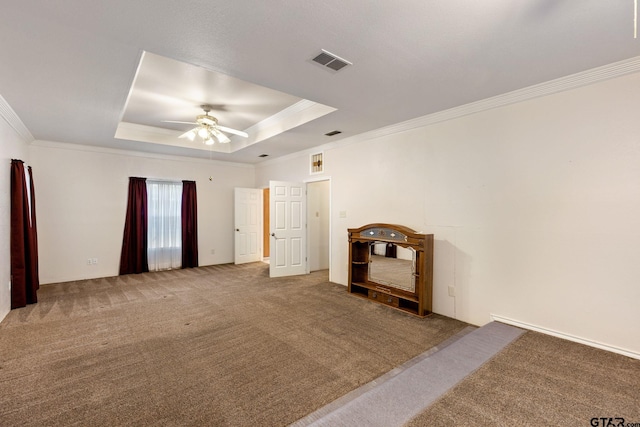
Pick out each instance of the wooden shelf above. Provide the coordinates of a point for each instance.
(387, 290)
(417, 302)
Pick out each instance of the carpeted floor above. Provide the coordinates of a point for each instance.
(221, 345)
(540, 380)
(400, 395)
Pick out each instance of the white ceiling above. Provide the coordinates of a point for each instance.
(67, 68)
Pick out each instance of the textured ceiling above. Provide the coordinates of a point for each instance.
(68, 66)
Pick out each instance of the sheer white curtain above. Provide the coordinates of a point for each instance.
(164, 234)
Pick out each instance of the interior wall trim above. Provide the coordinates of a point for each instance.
(14, 121)
(130, 153)
(573, 81)
(565, 336)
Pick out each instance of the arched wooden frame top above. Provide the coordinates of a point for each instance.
(391, 233)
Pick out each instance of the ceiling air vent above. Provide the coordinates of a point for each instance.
(329, 60)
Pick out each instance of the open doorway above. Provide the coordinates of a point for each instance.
(265, 221)
(318, 225)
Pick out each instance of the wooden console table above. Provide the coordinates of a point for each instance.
(414, 295)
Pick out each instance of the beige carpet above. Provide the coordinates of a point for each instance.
(221, 345)
(403, 393)
(540, 380)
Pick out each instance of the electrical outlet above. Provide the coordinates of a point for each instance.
(89, 261)
(452, 291)
(94, 261)
(213, 251)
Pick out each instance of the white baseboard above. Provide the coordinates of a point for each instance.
(565, 336)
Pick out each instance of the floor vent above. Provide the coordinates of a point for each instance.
(329, 60)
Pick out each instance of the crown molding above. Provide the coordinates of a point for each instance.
(573, 81)
(307, 152)
(130, 153)
(14, 121)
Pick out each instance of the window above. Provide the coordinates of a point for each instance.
(164, 239)
(317, 163)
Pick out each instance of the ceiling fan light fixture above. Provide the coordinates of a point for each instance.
(221, 137)
(203, 132)
(207, 129)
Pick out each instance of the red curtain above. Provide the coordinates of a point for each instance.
(133, 258)
(189, 225)
(25, 279)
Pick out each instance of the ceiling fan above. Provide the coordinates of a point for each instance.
(208, 128)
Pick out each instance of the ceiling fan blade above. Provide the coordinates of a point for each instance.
(221, 137)
(173, 121)
(191, 134)
(233, 131)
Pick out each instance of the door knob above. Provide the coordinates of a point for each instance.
(237, 229)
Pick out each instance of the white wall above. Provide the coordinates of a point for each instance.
(81, 195)
(12, 146)
(534, 207)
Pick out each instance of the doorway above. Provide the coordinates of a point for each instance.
(318, 224)
(248, 214)
(266, 240)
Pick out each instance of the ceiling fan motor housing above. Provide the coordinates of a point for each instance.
(207, 120)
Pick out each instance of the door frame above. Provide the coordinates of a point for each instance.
(267, 226)
(266, 236)
(312, 180)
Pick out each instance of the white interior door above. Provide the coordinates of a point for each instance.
(248, 225)
(287, 227)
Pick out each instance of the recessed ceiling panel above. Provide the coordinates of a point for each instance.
(165, 91)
